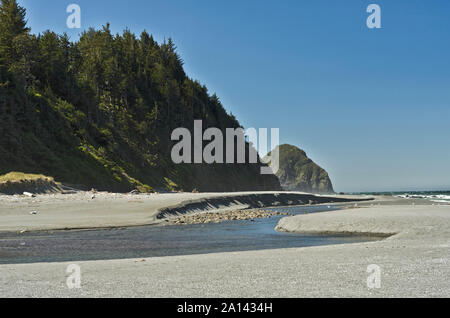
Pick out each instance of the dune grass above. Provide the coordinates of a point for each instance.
(20, 176)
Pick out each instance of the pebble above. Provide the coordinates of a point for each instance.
(217, 217)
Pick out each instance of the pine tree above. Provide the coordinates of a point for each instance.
(12, 24)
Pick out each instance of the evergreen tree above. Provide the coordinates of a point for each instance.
(12, 24)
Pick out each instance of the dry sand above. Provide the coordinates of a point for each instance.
(414, 263)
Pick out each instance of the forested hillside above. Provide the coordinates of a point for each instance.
(99, 112)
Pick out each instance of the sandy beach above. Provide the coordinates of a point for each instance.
(414, 259)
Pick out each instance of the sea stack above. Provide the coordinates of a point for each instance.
(297, 172)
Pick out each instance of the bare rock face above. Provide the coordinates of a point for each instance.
(297, 172)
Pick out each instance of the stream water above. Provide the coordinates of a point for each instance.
(153, 241)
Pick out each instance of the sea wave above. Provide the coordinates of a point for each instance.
(434, 197)
(440, 201)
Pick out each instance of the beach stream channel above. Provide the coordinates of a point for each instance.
(156, 241)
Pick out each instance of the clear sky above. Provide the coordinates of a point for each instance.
(371, 106)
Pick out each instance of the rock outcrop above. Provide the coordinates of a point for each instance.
(297, 172)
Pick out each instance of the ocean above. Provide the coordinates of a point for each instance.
(433, 196)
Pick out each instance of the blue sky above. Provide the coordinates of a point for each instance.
(371, 106)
